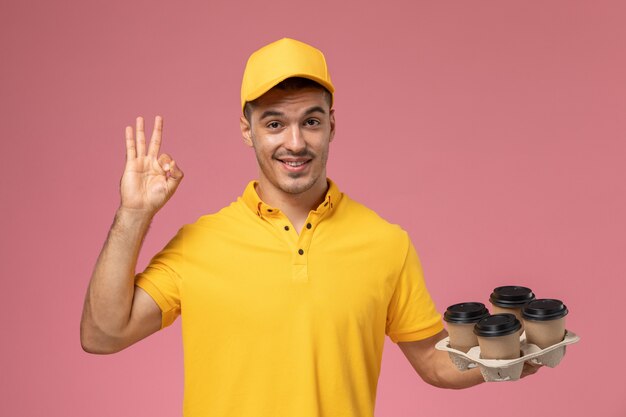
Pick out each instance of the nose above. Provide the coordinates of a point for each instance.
(295, 140)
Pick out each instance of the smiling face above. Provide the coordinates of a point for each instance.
(290, 131)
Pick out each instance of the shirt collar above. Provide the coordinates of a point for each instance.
(260, 208)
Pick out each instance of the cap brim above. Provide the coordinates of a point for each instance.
(273, 83)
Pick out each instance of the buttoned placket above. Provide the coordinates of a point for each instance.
(299, 244)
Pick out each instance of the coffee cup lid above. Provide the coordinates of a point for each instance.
(511, 296)
(462, 313)
(497, 325)
(544, 309)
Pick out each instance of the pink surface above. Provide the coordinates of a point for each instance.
(492, 131)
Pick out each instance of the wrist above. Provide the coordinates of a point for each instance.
(133, 217)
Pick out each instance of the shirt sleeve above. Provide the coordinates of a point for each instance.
(162, 279)
(411, 314)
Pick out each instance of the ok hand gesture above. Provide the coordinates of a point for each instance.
(149, 180)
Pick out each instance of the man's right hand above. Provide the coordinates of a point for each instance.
(117, 313)
(149, 179)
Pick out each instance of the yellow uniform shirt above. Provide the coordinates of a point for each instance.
(277, 323)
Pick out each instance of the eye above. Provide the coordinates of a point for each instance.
(312, 122)
(273, 125)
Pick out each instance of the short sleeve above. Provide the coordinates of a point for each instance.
(411, 314)
(162, 279)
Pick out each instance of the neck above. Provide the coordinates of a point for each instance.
(295, 206)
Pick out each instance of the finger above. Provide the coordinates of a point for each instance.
(141, 137)
(131, 152)
(176, 175)
(530, 369)
(155, 140)
(164, 161)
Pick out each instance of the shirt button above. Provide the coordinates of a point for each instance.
(300, 251)
(308, 225)
(286, 227)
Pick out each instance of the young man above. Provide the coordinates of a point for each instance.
(287, 294)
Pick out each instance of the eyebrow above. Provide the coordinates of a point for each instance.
(272, 113)
(316, 109)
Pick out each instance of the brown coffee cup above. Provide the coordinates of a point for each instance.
(511, 299)
(498, 336)
(545, 322)
(461, 319)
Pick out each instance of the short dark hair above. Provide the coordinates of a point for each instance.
(293, 83)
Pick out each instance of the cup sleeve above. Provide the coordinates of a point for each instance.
(162, 279)
(411, 313)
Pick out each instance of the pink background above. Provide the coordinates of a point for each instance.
(492, 131)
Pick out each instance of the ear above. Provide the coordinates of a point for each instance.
(332, 124)
(246, 131)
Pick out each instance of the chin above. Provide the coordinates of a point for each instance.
(297, 186)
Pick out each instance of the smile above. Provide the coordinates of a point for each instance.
(294, 166)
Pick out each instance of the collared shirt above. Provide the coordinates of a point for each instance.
(278, 322)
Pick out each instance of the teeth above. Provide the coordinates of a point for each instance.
(294, 164)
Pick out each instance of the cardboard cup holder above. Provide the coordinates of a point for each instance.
(495, 370)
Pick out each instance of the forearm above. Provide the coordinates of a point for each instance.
(435, 366)
(446, 375)
(109, 298)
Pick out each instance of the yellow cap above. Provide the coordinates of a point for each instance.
(278, 61)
